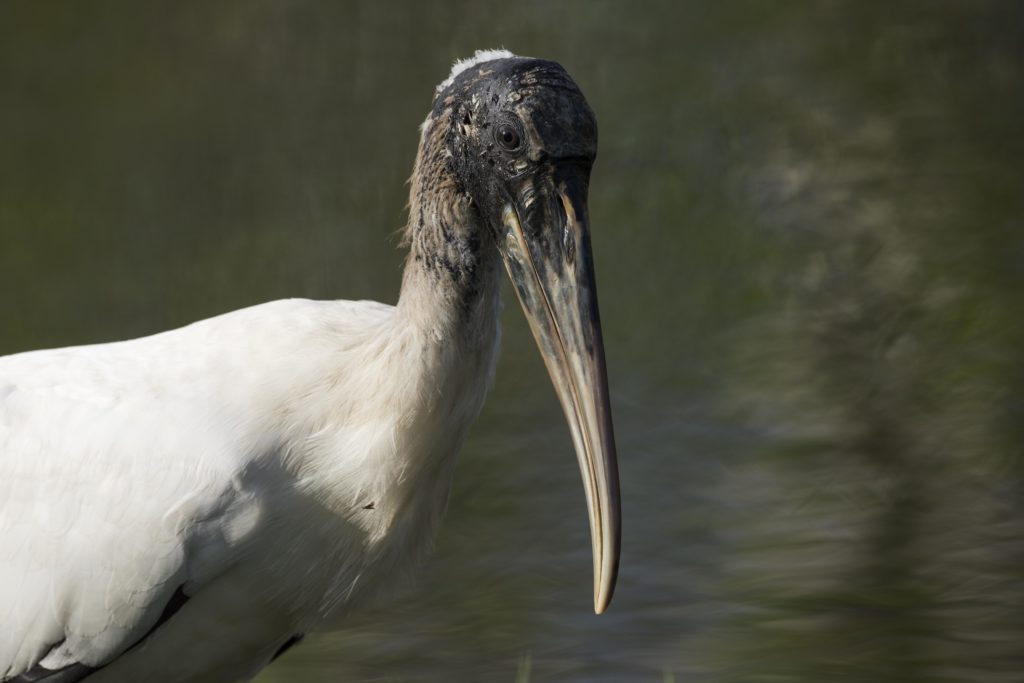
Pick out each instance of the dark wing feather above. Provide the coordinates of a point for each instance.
(40, 674)
(77, 671)
(289, 644)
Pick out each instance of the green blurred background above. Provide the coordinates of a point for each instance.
(809, 232)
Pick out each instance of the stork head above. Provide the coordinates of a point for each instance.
(521, 139)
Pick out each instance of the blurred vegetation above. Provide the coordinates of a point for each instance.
(809, 232)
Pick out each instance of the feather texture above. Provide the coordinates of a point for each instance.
(277, 463)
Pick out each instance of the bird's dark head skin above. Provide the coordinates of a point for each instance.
(512, 121)
(504, 165)
(500, 129)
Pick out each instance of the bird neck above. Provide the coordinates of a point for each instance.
(448, 319)
(452, 302)
(452, 281)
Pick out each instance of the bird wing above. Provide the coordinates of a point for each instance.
(119, 494)
(102, 495)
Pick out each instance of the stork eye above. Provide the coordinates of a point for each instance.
(508, 137)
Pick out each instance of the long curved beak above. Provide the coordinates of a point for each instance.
(546, 249)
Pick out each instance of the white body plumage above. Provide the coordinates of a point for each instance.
(317, 461)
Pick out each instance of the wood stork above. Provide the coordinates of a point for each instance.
(185, 506)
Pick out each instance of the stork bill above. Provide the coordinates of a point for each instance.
(187, 506)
